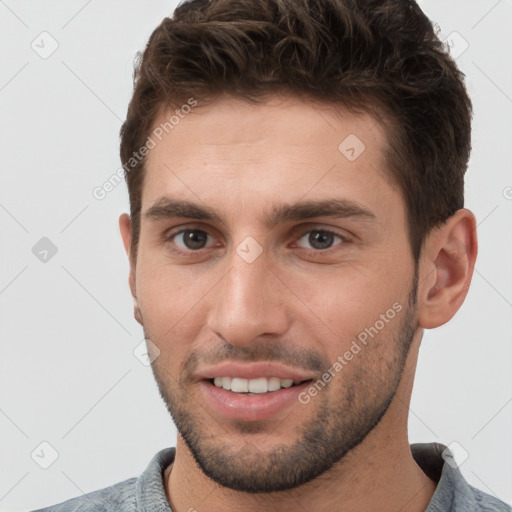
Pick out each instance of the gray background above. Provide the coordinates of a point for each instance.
(68, 373)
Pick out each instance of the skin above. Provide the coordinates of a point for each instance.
(240, 160)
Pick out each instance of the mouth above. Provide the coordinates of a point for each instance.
(252, 391)
(251, 400)
(255, 386)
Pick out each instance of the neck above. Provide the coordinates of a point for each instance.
(379, 474)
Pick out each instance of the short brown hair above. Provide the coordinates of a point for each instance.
(362, 55)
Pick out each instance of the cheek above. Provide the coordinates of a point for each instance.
(347, 299)
(354, 313)
(161, 288)
(170, 301)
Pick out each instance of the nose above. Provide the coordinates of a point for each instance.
(249, 302)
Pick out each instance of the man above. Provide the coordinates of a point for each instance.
(296, 172)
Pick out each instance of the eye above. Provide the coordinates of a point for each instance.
(320, 239)
(190, 240)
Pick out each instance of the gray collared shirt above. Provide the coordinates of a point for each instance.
(147, 493)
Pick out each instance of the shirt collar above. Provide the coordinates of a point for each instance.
(452, 493)
(435, 460)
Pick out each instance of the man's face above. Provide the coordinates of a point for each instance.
(264, 291)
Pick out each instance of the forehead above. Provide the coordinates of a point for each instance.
(297, 122)
(234, 152)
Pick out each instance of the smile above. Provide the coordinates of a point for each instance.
(257, 386)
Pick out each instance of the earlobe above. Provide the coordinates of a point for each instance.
(136, 312)
(446, 268)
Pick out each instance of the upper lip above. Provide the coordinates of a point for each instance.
(252, 370)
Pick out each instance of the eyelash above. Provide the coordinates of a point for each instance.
(169, 239)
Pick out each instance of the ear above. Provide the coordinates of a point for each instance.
(125, 226)
(446, 268)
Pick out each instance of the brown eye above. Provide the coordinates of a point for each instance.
(191, 239)
(320, 239)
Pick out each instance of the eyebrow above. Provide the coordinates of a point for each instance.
(168, 207)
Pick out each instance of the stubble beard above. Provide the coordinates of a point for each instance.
(340, 424)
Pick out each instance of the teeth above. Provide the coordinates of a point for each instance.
(239, 385)
(273, 384)
(259, 385)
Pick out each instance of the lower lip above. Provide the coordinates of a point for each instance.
(244, 407)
